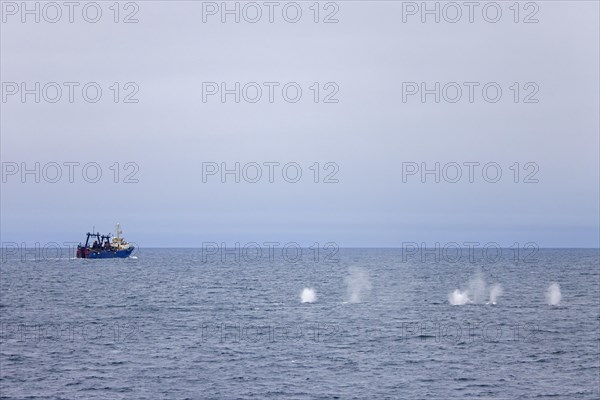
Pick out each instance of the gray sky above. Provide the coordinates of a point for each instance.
(369, 133)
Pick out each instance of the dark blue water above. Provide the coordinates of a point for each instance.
(169, 325)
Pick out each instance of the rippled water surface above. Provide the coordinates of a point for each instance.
(169, 325)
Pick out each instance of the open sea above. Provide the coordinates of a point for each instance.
(353, 324)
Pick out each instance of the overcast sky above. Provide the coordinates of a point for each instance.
(376, 53)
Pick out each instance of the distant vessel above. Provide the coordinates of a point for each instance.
(103, 247)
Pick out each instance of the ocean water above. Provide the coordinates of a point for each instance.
(363, 323)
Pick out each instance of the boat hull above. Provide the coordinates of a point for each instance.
(88, 253)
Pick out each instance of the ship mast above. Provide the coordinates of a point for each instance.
(118, 231)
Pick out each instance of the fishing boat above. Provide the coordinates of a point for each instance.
(103, 247)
